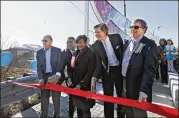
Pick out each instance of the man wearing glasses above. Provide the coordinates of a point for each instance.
(139, 67)
(49, 69)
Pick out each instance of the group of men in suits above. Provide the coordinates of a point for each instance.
(128, 66)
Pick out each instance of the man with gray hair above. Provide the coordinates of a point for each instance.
(139, 66)
(49, 70)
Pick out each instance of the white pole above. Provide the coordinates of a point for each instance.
(87, 18)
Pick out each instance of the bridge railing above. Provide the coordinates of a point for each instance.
(11, 93)
(173, 82)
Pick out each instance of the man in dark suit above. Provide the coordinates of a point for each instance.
(49, 69)
(139, 67)
(108, 50)
(71, 48)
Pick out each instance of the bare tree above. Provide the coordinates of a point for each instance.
(7, 44)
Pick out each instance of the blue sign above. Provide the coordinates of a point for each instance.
(6, 58)
(33, 65)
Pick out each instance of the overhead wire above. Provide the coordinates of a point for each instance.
(81, 11)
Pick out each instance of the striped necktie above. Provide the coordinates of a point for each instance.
(127, 57)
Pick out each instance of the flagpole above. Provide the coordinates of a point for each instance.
(125, 8)
(125, 14)
(86, 18)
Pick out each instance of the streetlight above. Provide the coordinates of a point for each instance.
(125, 12)
(156, 28)
(125, 8)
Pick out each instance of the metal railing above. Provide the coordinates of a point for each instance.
(11, 93)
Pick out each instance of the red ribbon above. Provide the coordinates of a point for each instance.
(158, 109)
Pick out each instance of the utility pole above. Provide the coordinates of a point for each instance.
(86, 18)
(125, 14)
(125, 8)
(93, 34)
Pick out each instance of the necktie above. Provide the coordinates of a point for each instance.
(127, 57)
(106, 47)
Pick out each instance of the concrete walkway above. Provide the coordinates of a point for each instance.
(161, 95)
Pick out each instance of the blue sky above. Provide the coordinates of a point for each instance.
(24, 20)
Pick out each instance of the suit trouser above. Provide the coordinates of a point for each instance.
(45, 95)
(132, 112)
(114, 78)
(83, 113)
(158, 73)
(164, 73)
(71, 107)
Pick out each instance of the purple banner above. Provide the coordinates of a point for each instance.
(107, 14)
(114, 29)
(107, 11)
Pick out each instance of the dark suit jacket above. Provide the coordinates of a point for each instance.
(67, 62)
(142, 69)
(56, 62)
(101, 57)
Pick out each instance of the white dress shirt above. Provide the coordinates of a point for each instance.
(72, 51)
(110, 52)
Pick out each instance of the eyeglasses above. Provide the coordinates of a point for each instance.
(136, 27)
(45, 41)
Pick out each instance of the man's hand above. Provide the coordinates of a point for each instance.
(93, 84)
(57, 78)
(100, 80)
(78, 87)
(69, 82)
(41, 81)
(51, 80)
(142, 97)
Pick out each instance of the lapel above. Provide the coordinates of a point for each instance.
(43, 59)
(126, 45)
(102, 53)
(134, 55)
(52, 57)
(116, 47)
(69, 54)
